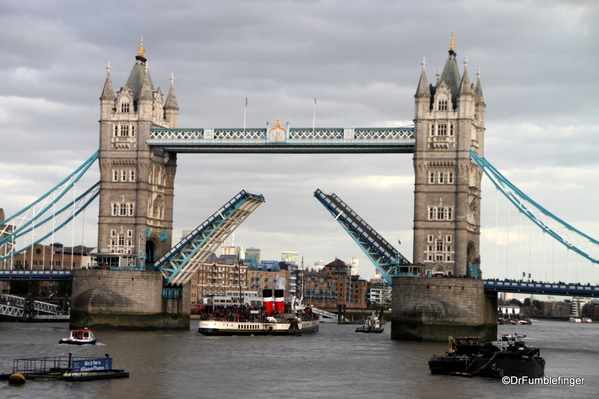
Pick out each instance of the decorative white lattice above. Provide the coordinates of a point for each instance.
(177, 134)
(383, 133)
(316, 134)
(239, 134)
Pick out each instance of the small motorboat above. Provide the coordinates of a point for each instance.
(372, 324)
(80, 336)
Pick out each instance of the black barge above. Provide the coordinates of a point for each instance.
(510, 356)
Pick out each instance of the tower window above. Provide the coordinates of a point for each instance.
(442, 129)
(125, 107)
(441, 213)
(431, 178)
(442, 105)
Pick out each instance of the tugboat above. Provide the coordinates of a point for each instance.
(372, 324)
(467, 356)
(81, 336)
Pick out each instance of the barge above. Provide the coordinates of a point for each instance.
(67, 368)
(510, 356)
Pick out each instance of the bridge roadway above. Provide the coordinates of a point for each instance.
(36, 275)
(517, 287)
(541, 288)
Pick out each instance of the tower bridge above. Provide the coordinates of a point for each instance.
(139, 142)
(140, 139)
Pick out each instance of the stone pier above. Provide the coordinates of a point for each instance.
(434, 308)
(126, 299)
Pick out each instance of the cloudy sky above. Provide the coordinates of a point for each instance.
(362, 61)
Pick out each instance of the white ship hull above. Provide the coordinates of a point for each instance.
(294, 327)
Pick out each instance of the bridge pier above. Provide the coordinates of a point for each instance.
(126, 299)
(434, 308)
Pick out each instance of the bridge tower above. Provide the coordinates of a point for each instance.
(135, 219)
(449, 121)
(136, 192)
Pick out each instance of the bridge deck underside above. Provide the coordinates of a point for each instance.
(287, 148)
(385, 257)
(184, 259)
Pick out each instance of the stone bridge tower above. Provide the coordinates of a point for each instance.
(136, 191)
(449, 122)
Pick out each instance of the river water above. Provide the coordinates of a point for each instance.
(335, 363)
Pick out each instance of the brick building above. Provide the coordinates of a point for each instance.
(333, 285)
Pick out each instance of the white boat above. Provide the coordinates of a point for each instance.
(81, 336)
(280, 319)
(372, 324)
(575, 320)
(586, 320)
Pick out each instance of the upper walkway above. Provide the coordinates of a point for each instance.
(283, 139)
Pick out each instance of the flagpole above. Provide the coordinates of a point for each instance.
(314, 116)
(245, 112)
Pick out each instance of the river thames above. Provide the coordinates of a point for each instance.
(335, 363)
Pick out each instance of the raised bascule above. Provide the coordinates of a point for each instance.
(142, 280)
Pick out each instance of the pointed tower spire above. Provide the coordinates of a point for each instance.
(146, 87)
(171, 99)
(423, 90)
(108, 90)
(465, 83)
(478, 90)
(141, 52)
(451, 72)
